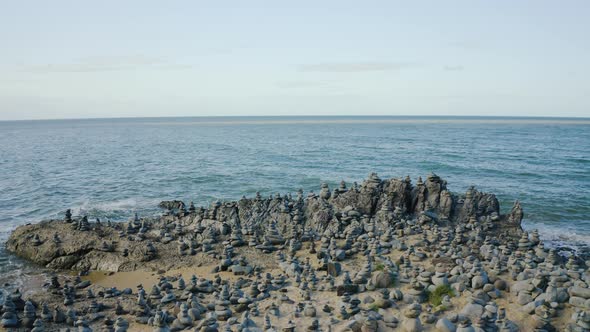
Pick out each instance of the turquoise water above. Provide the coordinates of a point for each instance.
(110, 168)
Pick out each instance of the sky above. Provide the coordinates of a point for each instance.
(89, 59)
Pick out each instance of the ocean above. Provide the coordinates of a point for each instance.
(112, 168)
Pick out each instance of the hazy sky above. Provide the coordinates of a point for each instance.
(77, 59)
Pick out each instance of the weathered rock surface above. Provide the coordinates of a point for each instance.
(81, 250)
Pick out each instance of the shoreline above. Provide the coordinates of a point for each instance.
(364, 257)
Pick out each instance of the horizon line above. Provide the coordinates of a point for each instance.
(474, 117)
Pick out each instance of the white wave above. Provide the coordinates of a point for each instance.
(113, 210)
(122, 206)
(561, 235)
(6, 230)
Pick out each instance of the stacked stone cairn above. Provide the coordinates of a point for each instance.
(377, 256)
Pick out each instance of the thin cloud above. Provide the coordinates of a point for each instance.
(465, 45)
(174, 67)
(477, 95)
(106, 63)
(123, 60)
(453, 68)
(301, 84)
(354, 67)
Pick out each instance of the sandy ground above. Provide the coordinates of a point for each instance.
(319, 299)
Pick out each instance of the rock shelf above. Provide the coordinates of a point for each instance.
(384, 255)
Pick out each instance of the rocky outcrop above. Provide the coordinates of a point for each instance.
(516, 214)
(78, 244)
(172, 205)
(477, 204)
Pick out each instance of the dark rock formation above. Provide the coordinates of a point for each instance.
(172, 205)
(343, 212)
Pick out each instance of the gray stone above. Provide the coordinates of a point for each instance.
(309, 310)
(524, 298)
(530, 307)
(240, 269)
(383, 279)
(580, 292)
(334, 269)
(472, 310)
(445, 325)
(478, 282)
(500, 284)
(411, 325)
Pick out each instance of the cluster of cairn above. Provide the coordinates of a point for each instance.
(380, 256)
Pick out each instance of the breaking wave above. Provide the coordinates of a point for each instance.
(116, 210)
(561, 236)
